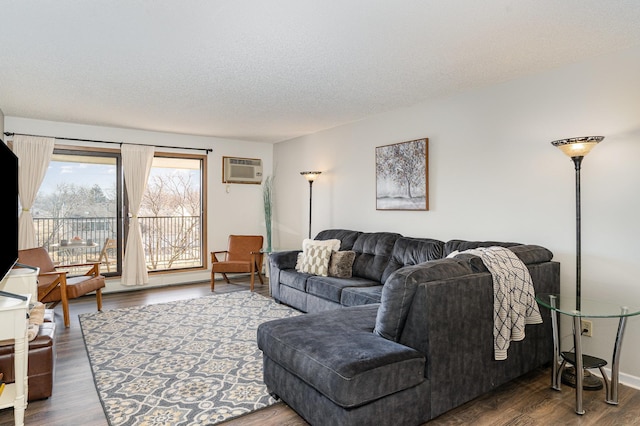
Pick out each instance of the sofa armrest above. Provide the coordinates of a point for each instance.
(279, 261)
(284, 259)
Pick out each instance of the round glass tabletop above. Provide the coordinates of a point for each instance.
(588, 307)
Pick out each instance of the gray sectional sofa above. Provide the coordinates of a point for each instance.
(407, 338)
(378, 255)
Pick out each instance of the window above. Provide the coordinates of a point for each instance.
(170, 214)
(81, 203)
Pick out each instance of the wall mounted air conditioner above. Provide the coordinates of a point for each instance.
(241, 170)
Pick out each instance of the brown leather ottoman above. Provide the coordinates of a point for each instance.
(41, 362)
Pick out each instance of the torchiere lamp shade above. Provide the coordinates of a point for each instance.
(577, 147)
(310, 176)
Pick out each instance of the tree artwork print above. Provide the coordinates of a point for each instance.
(402, 176)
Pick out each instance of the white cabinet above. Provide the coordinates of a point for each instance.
(22, 281)
(13, 326)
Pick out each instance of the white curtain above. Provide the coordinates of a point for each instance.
(34, 155)
(136, 164)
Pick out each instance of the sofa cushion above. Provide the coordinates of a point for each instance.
(346, 237)
(411, 251)
(475, 262)
(355, 296)
(373, 251)
(528, 254)
(341, 263)
(294, 279)
(330, 288)
(338, 355)
(399, 289)
(462, 245)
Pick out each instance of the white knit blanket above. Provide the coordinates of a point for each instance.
(514, 303)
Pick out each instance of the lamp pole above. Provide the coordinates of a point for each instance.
(310, 176)
(577, 148)
(310, 204)
(577, 161)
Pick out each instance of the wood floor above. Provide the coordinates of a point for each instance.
(526, 401)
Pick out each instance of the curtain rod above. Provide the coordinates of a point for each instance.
(208, 150)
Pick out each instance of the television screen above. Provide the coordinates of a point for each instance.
(9, 166)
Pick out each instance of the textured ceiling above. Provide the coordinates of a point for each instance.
(274, 70)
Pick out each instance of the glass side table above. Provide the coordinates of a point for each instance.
(588, 309)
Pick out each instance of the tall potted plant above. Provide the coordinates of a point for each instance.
(267, 196)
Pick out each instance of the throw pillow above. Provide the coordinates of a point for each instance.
(315, 260)
(36, 317)
(333, 244)
(341, 264)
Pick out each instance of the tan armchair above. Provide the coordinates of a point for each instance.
(54, 286)
(242, 255)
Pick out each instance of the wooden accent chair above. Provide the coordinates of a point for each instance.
(242, 255)
(54, 286)
(108, 254)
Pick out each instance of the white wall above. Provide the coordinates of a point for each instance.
(494, 175)
(2, 125)
(240, 210)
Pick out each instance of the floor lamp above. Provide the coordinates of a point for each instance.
(577, 149)
(310, 176)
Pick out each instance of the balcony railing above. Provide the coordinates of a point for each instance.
(168, 242)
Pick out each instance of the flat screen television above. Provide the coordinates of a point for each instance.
(9, 191)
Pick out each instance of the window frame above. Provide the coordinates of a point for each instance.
(122, 208)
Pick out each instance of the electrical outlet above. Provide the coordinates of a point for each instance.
(587, 326)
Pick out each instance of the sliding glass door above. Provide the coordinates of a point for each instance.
(80, 209)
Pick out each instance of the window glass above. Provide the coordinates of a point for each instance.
(170, 214)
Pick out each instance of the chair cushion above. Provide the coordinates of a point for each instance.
(231, 266)
(81, 285)
(241, 246)
(44, 281)
(37, 256)
(76, 287)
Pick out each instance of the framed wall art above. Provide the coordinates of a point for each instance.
(402, 176)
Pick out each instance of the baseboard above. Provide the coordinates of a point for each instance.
(625, 379)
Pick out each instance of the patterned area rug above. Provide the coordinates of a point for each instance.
(190, 362)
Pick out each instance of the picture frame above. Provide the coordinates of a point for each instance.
(402, 176)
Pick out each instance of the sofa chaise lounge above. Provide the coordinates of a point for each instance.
(408, 337)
